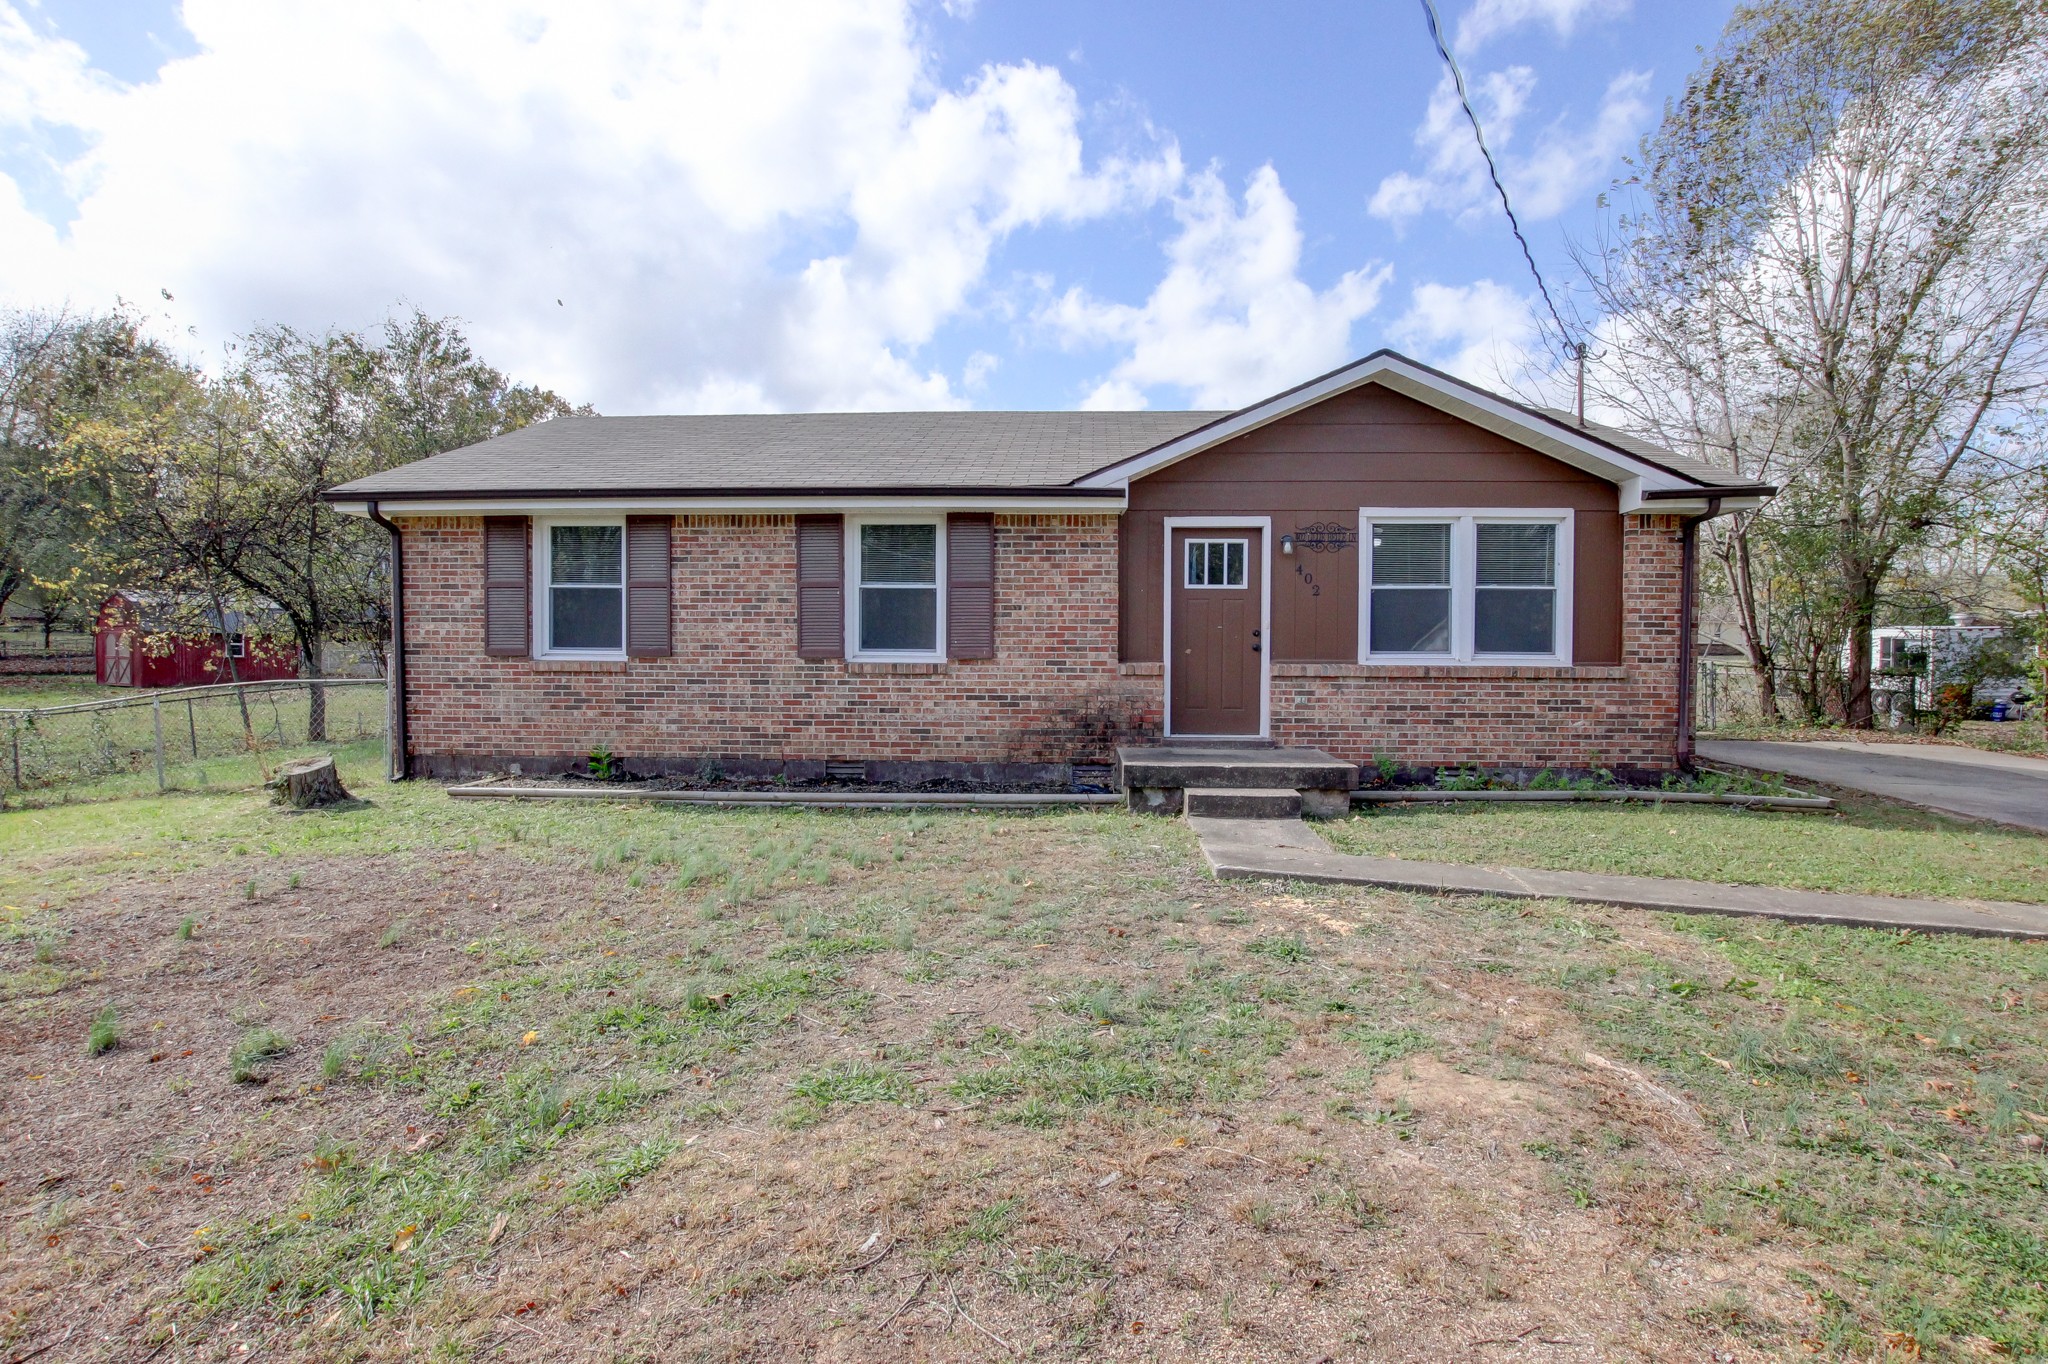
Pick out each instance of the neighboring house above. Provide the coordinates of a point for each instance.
(1383, 561)
(1911, 663)
(138, 642)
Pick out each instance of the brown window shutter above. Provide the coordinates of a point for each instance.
(971, 585)
(650, 615)
(820, 587)
(508, 586)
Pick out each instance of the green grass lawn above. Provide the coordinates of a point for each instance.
(1866, 845)
(2006, 736)
(98, 754)
(19, 692)
(428, 1079)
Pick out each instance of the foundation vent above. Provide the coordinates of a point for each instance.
(846, 771)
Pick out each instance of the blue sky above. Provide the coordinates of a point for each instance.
(730, 205)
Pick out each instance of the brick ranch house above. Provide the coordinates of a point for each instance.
(1383, 561)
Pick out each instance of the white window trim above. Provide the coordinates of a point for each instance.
(851, 560)
(1464, 523)
(542, 551)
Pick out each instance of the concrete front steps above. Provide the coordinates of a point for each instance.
(1236, 782)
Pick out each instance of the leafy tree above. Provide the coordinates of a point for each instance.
(1830, 276)
(328, 408)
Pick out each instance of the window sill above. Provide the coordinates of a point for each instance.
(1560, 671)
(578, 665)
(1141, 669)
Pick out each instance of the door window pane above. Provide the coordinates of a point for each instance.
(586, 587)
(1216, 563)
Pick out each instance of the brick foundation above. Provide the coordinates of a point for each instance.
(734, 693)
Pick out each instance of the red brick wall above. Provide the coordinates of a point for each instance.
(735, 691)
(1582, 717)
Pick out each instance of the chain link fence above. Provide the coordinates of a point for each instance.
(184, 738)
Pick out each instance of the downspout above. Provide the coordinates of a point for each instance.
(401, 760)
(1688, 580)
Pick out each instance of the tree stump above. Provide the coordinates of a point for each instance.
(308, 783)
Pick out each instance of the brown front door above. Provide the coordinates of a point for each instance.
(1218, 662)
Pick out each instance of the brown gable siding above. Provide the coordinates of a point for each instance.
(1367, 448)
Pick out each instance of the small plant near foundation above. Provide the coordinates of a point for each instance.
(1389, 768)
(105, 1033)
(604, 765)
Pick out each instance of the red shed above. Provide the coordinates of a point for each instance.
(134, 647)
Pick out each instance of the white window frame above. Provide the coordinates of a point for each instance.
(238, 645)
(542, 550)
(852, 562)
(1464, 523)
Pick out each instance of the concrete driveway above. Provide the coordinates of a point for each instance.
(1958, 781)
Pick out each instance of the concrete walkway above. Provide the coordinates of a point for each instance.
(1240, 849)
(2004, 787)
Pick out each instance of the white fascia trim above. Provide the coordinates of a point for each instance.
(1112, 502)
(1404, 377)
(1633, 503)
(1264, 525)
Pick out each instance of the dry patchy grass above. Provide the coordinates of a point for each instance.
(525, 1082)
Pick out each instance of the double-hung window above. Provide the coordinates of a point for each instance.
(581, 572)
(1465, 586)
(896, 609)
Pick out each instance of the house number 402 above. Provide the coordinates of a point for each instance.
(1308, 578)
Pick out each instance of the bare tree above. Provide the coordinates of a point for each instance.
(1831, 277)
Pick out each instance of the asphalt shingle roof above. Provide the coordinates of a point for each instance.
(840, 451)
(1698, 470)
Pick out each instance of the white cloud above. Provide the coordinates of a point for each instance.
(1491, 18)
(737, 205)
(1563, 166)
(1483, 331)
(1232, 320)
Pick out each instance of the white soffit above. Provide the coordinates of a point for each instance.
(1411, 380)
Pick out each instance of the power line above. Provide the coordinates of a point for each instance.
(1443, 50)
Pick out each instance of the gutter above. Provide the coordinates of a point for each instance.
(400, 766)
(1688, 583)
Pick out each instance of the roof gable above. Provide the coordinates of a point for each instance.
(1665, 479)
